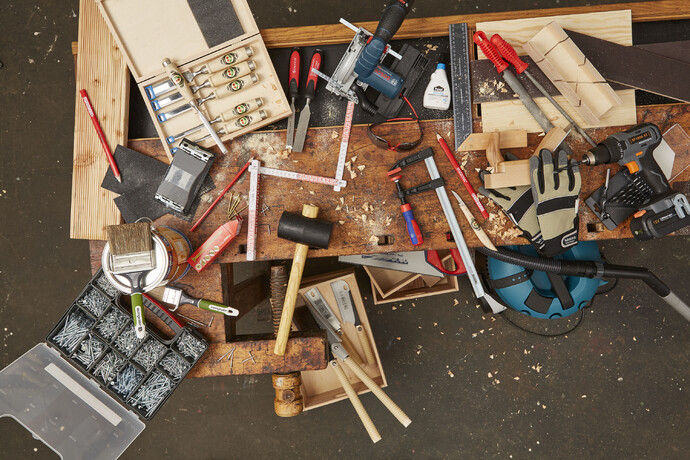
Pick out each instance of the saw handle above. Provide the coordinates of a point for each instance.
(312, 78)
(508, 52)
(356, 403)
(366, 346)
(490, 51)
(350, 348)
(293, 82)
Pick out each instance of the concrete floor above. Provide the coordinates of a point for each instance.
(474, 386)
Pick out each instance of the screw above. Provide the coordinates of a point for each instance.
(192, 320)
(95, 302)
(76, 327)
(176, 366)
(190, 346)
(149, 353)
(127, 379)
(127, 342)
(111, 323)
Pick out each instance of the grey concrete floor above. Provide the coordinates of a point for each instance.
(473, 385)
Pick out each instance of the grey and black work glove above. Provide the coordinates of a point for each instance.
(556, 191)
(518, 204)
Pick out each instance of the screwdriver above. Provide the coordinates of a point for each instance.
(182, 87)
(293, 91)
(309, 94)
(508, 53)
(412, 226)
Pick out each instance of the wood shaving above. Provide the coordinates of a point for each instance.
(352, 174)
(341, 222)
(342, 200)
(334, 135)
(364, 218)
(365, 206)
(311, 192)
(374, 239)
(338, 208)
(361, 167)
(354, 158)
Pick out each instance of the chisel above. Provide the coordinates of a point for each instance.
(232, 87)
(309, 93)
(220, 63)
(293, 91)
(182, 87)
(238, 124)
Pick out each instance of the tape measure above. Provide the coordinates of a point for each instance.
(344, 142)
(460, 79)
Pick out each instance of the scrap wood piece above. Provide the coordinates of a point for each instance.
(635, 67)
(511, 139)
(572, 72)
(102, 71)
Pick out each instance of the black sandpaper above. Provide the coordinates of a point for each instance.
(217, 20)
(141, 176)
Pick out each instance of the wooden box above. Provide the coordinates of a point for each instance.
(322, 387)
(191, 33)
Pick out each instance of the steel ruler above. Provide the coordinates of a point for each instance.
(460, 81)
(344, 142)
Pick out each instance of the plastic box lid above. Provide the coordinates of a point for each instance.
(69, 412)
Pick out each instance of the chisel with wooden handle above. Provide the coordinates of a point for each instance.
(478, 230)
(182, 87)
(238, 124)
(226, 75)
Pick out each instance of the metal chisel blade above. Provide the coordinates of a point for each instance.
(343, 298)
(302, 127)
(314, 297)
(290, 134)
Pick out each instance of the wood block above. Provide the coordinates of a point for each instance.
(551, 140)
(493, 152)
(571, 72)
(512, 166)
(516, 138)
(507, 179)
(102, 72)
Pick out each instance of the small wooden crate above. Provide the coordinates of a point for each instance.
(322, 387)
(149, 31)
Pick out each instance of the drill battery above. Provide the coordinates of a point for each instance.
(661, 217)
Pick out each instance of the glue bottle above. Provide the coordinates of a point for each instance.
(437, 93)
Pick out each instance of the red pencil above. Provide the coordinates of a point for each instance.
(463, 178)
(101, 136)
(225, 190)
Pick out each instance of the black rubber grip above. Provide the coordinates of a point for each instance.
(312, 78)
(295, 62)
(392, 18)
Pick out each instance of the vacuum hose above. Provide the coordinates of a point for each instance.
(589, 269)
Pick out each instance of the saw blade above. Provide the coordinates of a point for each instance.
(343, 297)
(314, 297)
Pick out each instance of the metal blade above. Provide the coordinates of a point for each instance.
(314, 296)
(333, 337)
(339, 351)
(290, 133)
(302, 127)
(343, 297)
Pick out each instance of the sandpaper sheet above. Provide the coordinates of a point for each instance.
(141, 176)
(217, 20)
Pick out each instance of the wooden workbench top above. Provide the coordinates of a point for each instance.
(367, 210)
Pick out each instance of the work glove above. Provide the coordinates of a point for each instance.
(518, 204)
(556, 190)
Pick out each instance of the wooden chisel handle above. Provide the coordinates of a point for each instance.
(350, 348)
(241, 109)
(356, 403)
(180, 83)
(231, 58)
(378, 392)
(232, 73)
(236, 85)
(366, 346)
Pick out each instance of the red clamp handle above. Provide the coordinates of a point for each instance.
(508, 52)
(434, 260)
(490, 51)
(293, 82)
(312, 78)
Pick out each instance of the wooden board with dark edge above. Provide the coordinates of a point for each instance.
(329, 34)
(372, 187)
(636, 68)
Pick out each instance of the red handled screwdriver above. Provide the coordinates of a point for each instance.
(508, 53)
(293, 91)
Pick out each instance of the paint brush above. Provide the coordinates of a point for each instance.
(132, 256)
(176, 296)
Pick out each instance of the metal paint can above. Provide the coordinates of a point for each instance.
(171, 247)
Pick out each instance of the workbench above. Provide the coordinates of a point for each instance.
(366, 212)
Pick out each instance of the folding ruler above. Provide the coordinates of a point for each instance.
(460, 81)
(255, 169)
(344, 142)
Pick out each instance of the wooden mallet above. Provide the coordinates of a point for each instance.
(305, 230)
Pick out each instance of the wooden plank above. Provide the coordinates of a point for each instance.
(613, 25)
(330, 34)
(353, 236)
(635, 67)
(305, 351)
(102, 71)
(512, 139)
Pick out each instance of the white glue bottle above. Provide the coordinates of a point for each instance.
(437, 93)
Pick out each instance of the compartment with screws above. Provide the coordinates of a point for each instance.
(127, 342)
(127, 380)
(151, 394)
(94, 301)
(107, 368)
(75, 325)
(104, 285)
(112, 323)
(175, 365)
(149, 353)
(89, 350)
(190, 346)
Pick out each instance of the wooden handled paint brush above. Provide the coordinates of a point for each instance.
(132, 256)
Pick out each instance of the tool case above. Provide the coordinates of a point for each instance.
(82, 393)
(192, 33)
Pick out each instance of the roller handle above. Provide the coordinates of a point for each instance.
(293, 287)
(378, 392)
(293, 82)
(508, 53)
(366, 346)
(350, 348)
(312, 78)
(356, 403)
(412, 226)
(180, 83)
(490, 51)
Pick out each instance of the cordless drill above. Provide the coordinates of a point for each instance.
(664, 211)
(368, 68)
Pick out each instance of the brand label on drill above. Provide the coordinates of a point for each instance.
(240, 109)
(231, 72)
(641, 137)
(228, 59)
(236, 85)
(244, 121)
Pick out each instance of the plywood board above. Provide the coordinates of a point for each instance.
(102, 71)
(614, 26)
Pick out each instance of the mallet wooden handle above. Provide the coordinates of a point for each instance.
(356, 403)
(293, 287)
(378, 392)
(366, 346)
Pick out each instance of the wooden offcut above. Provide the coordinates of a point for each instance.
(506, 140)
(102, 72)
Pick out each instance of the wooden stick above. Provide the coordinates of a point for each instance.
(356, 403)
(366, 346)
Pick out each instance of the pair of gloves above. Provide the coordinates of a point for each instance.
(546, 211)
